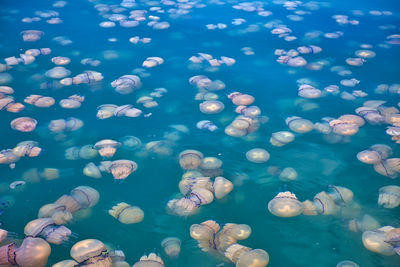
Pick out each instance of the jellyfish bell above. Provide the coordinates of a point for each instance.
(285, 204)
(27, 148)
(343, 128)
(281, 138)
(69, 103)
(383, 168)
(31, 35)
(91, 253)
(190, 159)
(107, 147)
(354, 119)
(106, 111)
(299, 125)
(384, 150)
(17, 185)
(204, 232)
(211, 166)
(369, 157)
(152, 260)
(91, 170)
(365, 223)
(61, 60)
(375, 241)
(206, 124)
(81, 197)
(340, 195)
(211, 107)
(151, 62)
(172, 246)
(24, 124)
(222, 187)
(347, 263)
(46, 228)
(40, 101)
(57, 73)
(130, 142)
(324, 204)
(365, 53)
(309, 208)
(240, 99)
(308, 91)
(126, 213)
(389, 196)
(257, 155)
(234, 132)
(288, 174)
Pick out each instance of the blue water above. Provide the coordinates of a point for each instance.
(299, 241)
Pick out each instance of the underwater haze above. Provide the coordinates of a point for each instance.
(199, 133)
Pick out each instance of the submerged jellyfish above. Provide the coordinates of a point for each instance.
(206, 124)
(72, 102)
(211, 166)
(106, 111)
(385, 169)
(61, 60)
(299, 125)
(340, 195)
(24, 124)
(152, 260)
(91, 252)
(222, 187)
(343, 128)
(324, 204)
(365, 223)
(189, 204)
(288, 174)
(27, 148)
(243, 256)
(70, 124)
(107, 147)
(240, 99)
(190, 159)
(58, 73)
(31, 35)
(369, 156)
(347, 264)
(285, 204)
(389, 196)
(33, 252)
(17, 184)
(81, 197)
(375, 241)
(120, 169)
(204, 232)
(131, 142)
(308, 91)
(126, 213)
(257, 155)
(172, 246)
(48, 229)
(281, 138)
(40, 101)
(126, 84)
(57, 212)
(92, 170)
(211, 107)
(152, 62)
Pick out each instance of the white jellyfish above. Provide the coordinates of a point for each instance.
(389, 196)
(285, 204)
(126, 213)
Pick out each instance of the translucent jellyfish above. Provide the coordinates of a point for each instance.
(190, 182)
(61, 60)
(152, 260)
(81, 197)
(354, 119)
(126, 84)
(343, 128)
(365, 53)
(17, 184)
(72, 102)
(206, 124)
(308, 91)
(126, 213)
(243, 256)
(281, 138)
(211, 166)
(130, 142)
(24, 124)
(232, 131)
(285, 204)
(33, 252)
(347, 264)
(252, 111)
(310, 49)
(257, 155)
(324, 204)
(46, 228)
(57, 212)
(288, 174)
(299, 125)
(211, 107)
(10, 105)
(292, 61)
(240, 99)
(369, 157)
(57, 73)
(27, 148)
(190, 159)
(365, 223)
(389, 196)
(69, 125)
(120, 169)
(339, 194)
(128, 111)
(91, 253)
(91, 170)
(106, 111)
(375, 241)
(6, 90)
(222, 187)
(152, 62)
(8, 157)
(86, 77)
(189, 204)
(107, 147)
(172, 246)
(383, 168)
(31, 35)
(40, 101)
(37, 52)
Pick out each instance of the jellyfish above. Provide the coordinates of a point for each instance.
(61, 60)
(91, 170)
(126, 213)
(172, 246)
(91, 253)
(393, 238)
(211, 166)
(86, 77)
(37, 52)
(17, 184)
(310, 49)
(47, 229)
(222, 187)
(369, 156)
(204, 233)
(206, 124)
(234, 132)
(27, 148)
(24, 124)
(107, 147)
(58, 73)
(31, 35)
(288, 174)
(190, 159)
(65, 263)
(257, 155)
(343, 128)
(118, 258)
(130, 142)
(120, 169)
(151, 62)
(324, 204)
(365, 223)
(244, 256)
(81, 197)
(70, 124)
(40, 101)
(308, 91)
(383, 168)
(240, 99)
(299, 125)
(126, 84)
(389, 196)
(281, 138)
(188, 183)
(33, 252)
(252, 111)
(10, 105)
(57, 212)
(72, 102)
(189, 204)
(365, 53)
(292, 61)
(152, 260)
(340, 195)
(128, 111)
(211, 107)
(347, 263)
(106, 111)
(375, 241)
(285, 204)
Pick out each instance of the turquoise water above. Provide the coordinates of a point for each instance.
(322, 240)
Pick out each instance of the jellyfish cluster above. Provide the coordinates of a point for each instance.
(223, 241)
